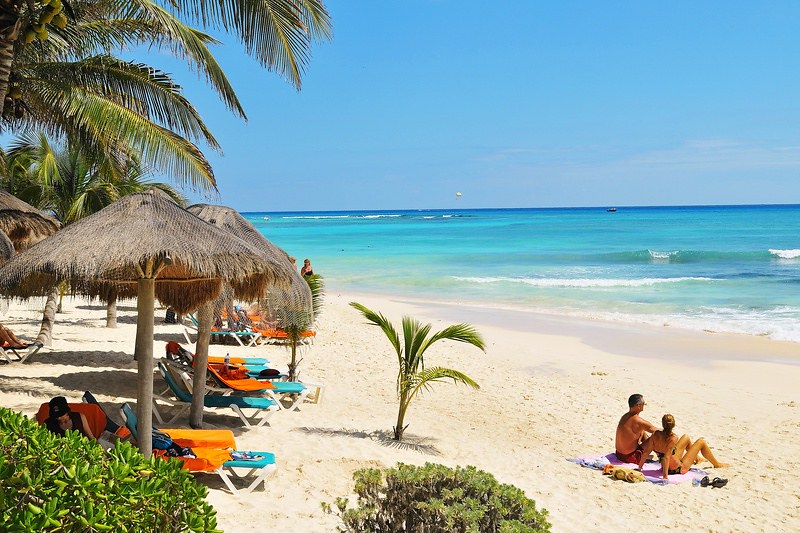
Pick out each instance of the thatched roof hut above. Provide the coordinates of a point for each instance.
(22, 223)
(148, 240)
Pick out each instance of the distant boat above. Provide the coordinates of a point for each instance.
(612, 209)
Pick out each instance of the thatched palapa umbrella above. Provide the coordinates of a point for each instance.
(148, 240)
(25, 225)
(6, 248)
(22, 223)
(295, 297)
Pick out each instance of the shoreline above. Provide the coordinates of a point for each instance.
(548, 393)
(624, 338)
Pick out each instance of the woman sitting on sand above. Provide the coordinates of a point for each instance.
(676, 455)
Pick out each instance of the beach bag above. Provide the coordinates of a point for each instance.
(170, 317)
(161, 440)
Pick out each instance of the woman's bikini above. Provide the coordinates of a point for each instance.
(674, 471)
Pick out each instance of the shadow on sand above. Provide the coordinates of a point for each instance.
(384, 438)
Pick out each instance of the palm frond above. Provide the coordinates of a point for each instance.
(382, 322)
(460, 333)
(425, 378)
(278, 34)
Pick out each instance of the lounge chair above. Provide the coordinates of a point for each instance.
(293, 392)
(180, 384)
(275, 335)
(20, 352)
(93, 413)
(220, 459)
(244, 338)
(177, 352)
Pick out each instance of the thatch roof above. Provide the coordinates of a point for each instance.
(140, 236)
(6, 248)
(22, 223)
(295, 298)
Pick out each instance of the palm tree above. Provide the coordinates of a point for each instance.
(57, 74)
(412, 376)
(72, 185)
(295, 321)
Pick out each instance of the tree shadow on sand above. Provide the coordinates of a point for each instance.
(384, 438)
(116, 383)
(120, 360)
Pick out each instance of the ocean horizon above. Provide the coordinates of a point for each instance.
(715, 268)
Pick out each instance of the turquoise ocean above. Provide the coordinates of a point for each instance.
(719, 268)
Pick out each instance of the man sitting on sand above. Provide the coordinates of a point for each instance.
(632, 431)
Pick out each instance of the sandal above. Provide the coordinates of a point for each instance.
(718, 482)
(705, 482)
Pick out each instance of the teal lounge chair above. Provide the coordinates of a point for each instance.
(180, 384)
(244, 338)
(261, 462)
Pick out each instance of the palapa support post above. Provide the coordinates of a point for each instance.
(145, 302)
(204, 318)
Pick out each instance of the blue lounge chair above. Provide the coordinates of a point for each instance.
(180, 384)
(261, 462)
(244, 338)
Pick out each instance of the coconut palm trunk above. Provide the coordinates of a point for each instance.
(111, 309)
(205, 315)
(45, 335)
(399, 429)
(9, 31)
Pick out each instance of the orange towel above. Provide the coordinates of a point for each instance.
(246, 385)
(207, 460)
(202, 438)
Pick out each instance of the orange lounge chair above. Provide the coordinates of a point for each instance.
(94, 415)
(219, 458)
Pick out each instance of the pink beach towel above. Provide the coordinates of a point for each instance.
(651, 469)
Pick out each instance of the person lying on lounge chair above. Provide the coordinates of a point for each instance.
(7, 337)
(62, 419)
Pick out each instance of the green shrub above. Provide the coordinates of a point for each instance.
(52, 483)
(435, 498)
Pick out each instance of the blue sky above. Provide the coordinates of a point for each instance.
(518, 103)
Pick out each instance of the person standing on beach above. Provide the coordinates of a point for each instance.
(307, 269)
(632, 431)
(293, 261)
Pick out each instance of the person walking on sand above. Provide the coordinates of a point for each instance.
(632, 431)
(676, 455)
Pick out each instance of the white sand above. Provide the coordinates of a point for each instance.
(550, 389)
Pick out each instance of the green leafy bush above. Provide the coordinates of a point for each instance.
(435, 498)
(52, 483)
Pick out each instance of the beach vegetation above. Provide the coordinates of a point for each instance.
(412, 375)
(53, 483)
(435, 498)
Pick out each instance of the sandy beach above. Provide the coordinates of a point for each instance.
(551, 388)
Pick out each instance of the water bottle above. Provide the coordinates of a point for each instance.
(695, 482)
